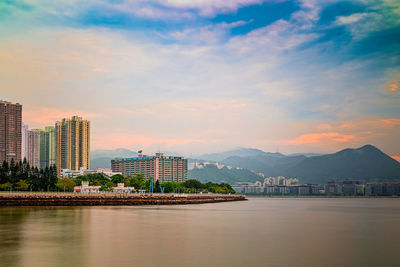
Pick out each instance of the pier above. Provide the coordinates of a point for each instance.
(105, 199)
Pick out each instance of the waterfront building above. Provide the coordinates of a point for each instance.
(121, 188)
(159, 167)
(270, 189)
(72, 139)
(349, 187)
(382, 189)
(280, 180)
(10, 131)
(248, 187)
(86, 188)
(345, 187)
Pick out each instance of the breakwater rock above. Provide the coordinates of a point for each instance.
(81, 199)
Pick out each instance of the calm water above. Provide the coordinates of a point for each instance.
(258, 232)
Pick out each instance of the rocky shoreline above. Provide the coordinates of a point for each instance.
(79, 199)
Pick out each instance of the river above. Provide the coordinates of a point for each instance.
(258, 232)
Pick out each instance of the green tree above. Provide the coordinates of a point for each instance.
(66, 183)
(118, 178)
(77, 181)
(110, 185)
(193, 184)
(52, 176)
(5, 186)
(145, 184)
(4, 175)
(157, 188)
(13, 178)
(21, 185)
(136, 180)
(170, 187)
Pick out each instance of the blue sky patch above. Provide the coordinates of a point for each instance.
(258, 15)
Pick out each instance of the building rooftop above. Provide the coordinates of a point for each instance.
(7, 102)
(147, 157)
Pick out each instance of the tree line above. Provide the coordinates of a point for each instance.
(138, 181)
(21, 176)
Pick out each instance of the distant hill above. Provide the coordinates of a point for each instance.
(367, 163)
(211, 173)
(100, 163)
(240, 152)
(305, 154)
(269, 165)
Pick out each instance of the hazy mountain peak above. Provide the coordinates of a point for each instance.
(238, 152)
(369, 148)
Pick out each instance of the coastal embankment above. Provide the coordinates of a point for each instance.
(79, 199)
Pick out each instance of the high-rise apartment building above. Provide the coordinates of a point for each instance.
(51, 144)
(33, 149)
(10, 131)
(159, 167)
(72, 138)
(25, 142)
(46, 146)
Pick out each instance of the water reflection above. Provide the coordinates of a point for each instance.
(11, 222)
(259, 232)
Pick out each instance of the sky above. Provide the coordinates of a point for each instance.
(205, 76)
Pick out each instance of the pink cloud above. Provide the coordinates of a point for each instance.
(393, 86)
(369, 123)
(318, 138)
(42, 116)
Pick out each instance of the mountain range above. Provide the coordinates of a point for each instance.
(367, 163)
(211, 173)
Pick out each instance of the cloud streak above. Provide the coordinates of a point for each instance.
(319, 138)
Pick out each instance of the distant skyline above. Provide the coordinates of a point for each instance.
(207, 76)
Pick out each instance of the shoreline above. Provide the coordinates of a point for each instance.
(79, 199)
(310, 196)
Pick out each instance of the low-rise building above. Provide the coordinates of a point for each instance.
(121, 188)
(66, 173)
(86, 188)
(382, 189)
(248, 188)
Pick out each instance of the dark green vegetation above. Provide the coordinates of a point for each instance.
(211, 173)
(21, 176)
(138, 181)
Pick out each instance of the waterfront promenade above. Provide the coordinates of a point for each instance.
(109, 199)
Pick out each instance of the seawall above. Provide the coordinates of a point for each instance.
(80, 199)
